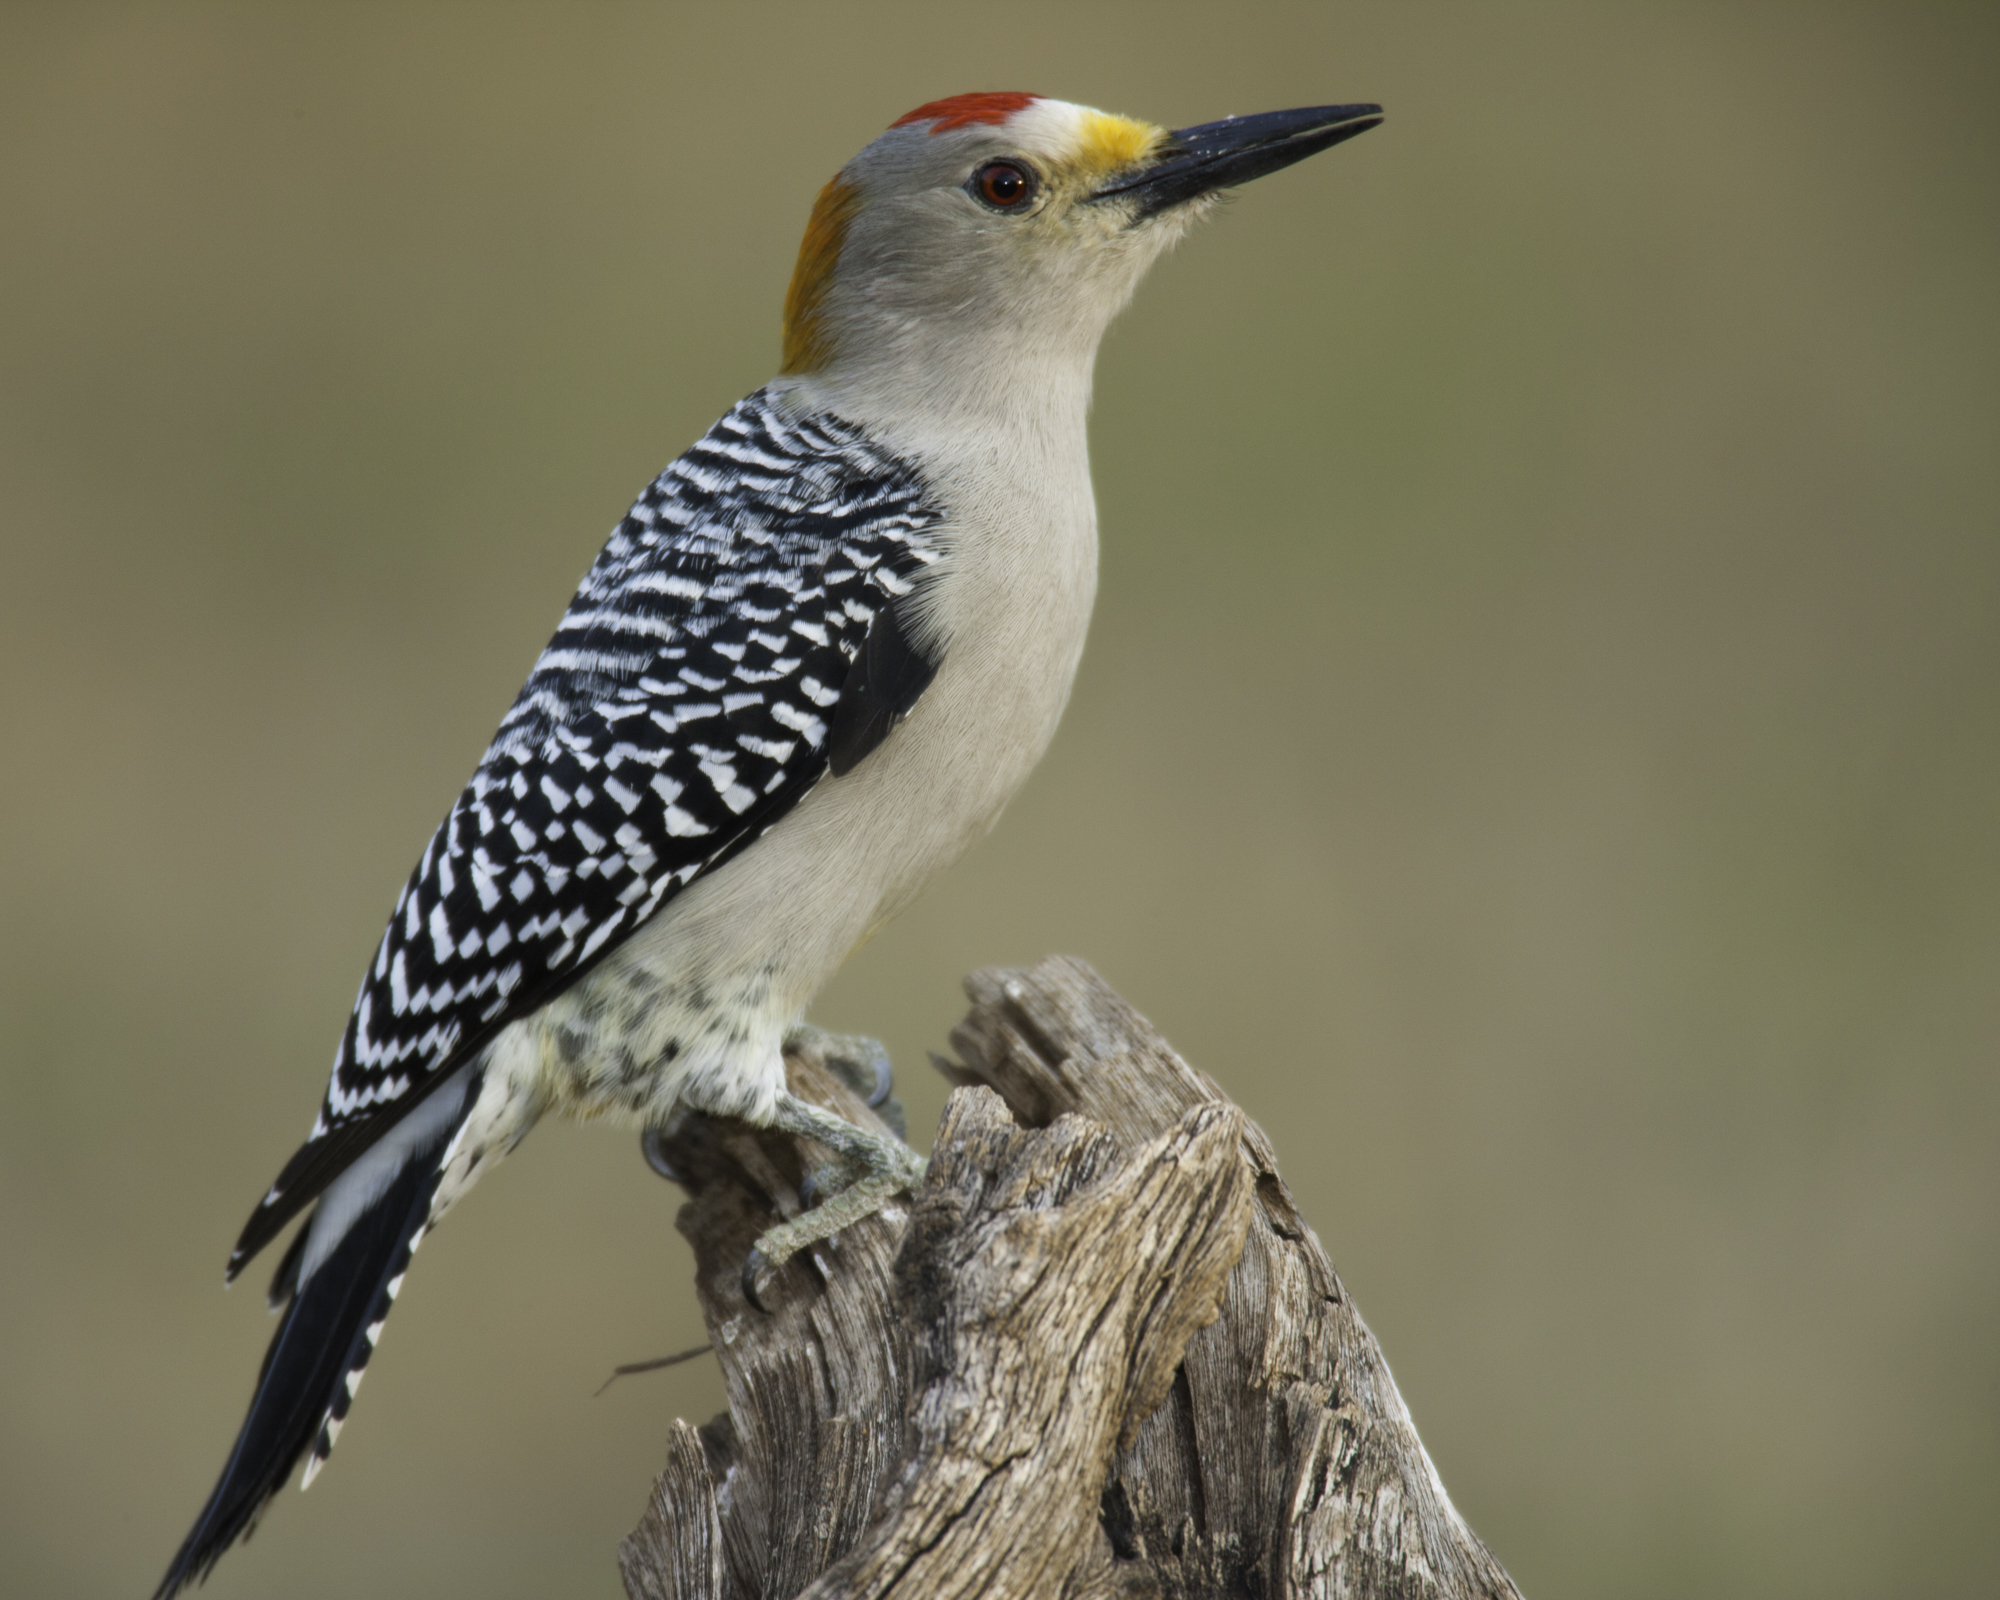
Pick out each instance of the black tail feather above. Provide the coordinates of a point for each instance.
(324, 1341)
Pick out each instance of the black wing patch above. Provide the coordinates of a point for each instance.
(888, 677)
(689, 698)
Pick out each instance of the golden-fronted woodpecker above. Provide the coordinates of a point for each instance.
(816, 658)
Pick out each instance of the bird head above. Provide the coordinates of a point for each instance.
(987, 235)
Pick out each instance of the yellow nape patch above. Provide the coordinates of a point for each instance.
(806, 346)
(1106, 143)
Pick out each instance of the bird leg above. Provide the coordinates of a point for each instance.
(862, 1064)
(875, 1168)
(868, 1168)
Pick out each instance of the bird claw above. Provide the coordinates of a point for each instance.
(754, 1266)
(885, 1080)
(653, 1146)
(860, 1060)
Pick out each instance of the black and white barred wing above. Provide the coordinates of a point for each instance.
(737, 635)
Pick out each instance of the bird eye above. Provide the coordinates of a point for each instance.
(1003, 185)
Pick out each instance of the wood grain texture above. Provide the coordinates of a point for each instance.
(1099, 1354)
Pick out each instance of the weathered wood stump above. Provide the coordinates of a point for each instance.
(1099, 1354)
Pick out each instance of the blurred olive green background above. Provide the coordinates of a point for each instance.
(1538, 746)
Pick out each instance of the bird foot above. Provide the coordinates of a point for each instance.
(867, 1172)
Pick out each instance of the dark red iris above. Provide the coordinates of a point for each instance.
(1003, 185)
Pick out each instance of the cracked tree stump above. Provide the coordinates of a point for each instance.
(1099, 1354)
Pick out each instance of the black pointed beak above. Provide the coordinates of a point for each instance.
(1218, 155)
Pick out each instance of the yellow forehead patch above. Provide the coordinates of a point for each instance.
(1105, 143)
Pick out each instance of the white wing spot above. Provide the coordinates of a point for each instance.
(682, 824)
(441, 940)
